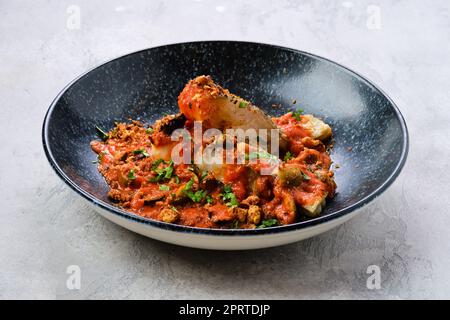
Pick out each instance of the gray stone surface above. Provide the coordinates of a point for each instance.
(45, 227)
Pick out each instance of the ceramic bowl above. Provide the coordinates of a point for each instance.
(370, 134)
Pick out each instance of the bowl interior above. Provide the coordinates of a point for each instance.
(370, 136)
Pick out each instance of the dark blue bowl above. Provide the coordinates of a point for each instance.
(371, 139)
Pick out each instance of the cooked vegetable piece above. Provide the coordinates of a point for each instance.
(101, 133)
(319, 129)
(314, 209)
(203, 100)
(291, 175)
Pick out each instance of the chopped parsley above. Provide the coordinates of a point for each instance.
(131, 175)
(101, 133)
(141, 151)
(288, 156)
(157, 163)
(209, 199)
(196, 196)
(243, 104)
(234, 224)
(162, 173)
(229, 197)
(163, 187)
(149, 130)
(297, 114)
(173, 209)
(268, 223)
(189, 184)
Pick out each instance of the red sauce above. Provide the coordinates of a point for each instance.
(236, 176)
(142, 183)
(293, 129)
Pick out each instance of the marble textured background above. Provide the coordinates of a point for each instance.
(402, 46)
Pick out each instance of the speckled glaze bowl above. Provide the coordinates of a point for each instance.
(371, 139)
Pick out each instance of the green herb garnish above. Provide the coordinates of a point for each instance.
(131, 175)
(168, 171)
(157, 163)
(163, 187)
(209, 199)
(173, 209)
(243, 104)
(268, 223)
(189, 184)
(288, 156)
(141, 151)
(196, 196)
(234, 224)
(149, 130)
(229, 197)
(101, 133)
(162, 173)
(297, 114)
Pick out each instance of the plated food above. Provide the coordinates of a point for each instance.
(281, 177)
(369, 138)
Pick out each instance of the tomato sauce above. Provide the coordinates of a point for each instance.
(142, 182)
